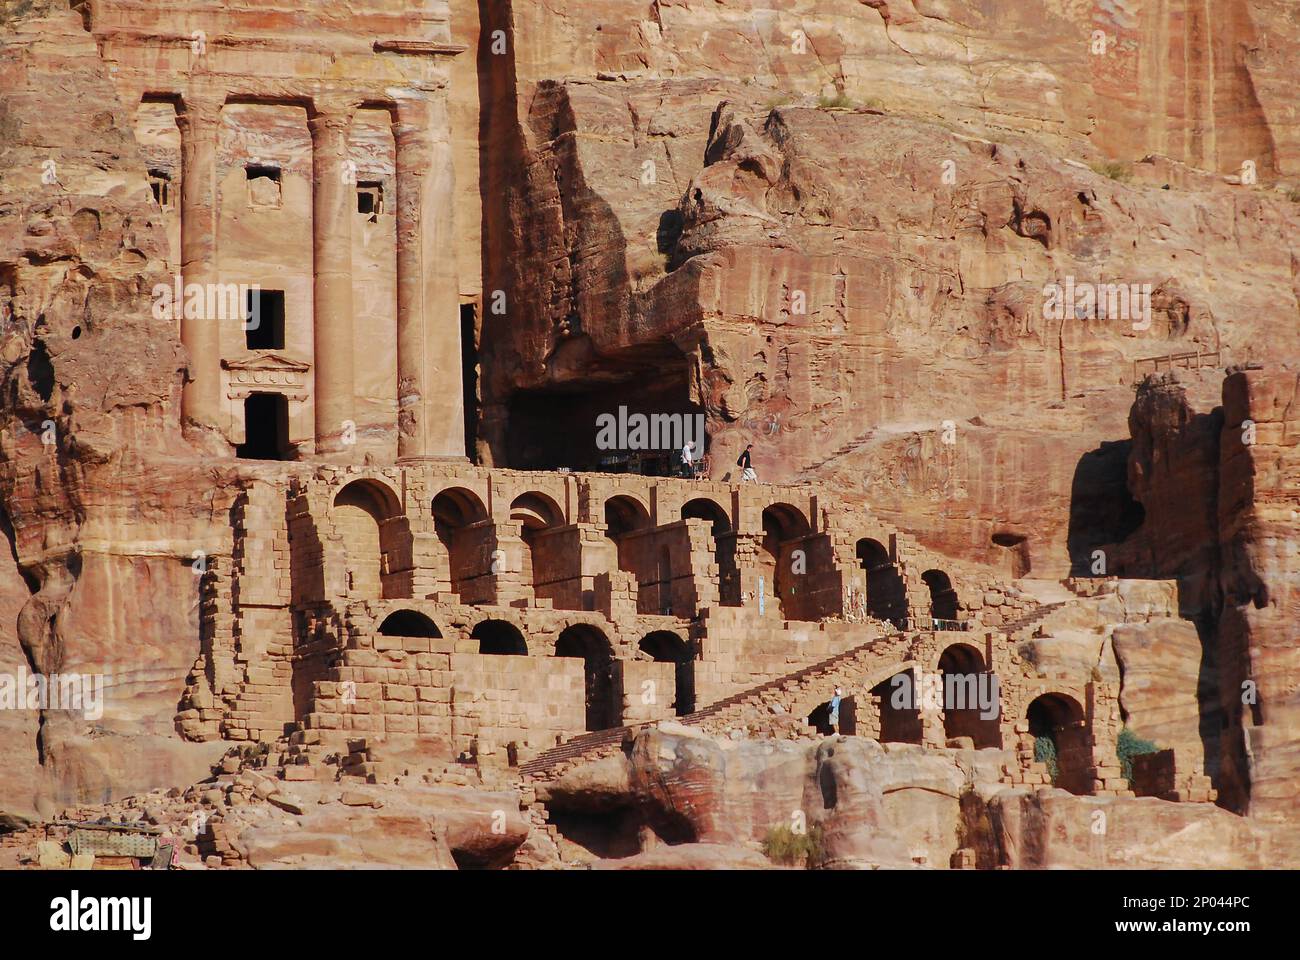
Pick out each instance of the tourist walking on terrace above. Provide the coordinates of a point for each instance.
(835, 709)
(747, 474)
(688, 460)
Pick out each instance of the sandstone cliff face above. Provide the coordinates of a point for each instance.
(1259, 515)
(1218, 484)
(103, 500)
(874, 805)
(860, 290)
(826, 227)
(1202, 86)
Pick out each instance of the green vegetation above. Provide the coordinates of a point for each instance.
(1117, 170)
(782, 845)
(1130, 745)
(839, 101)
(1045, 752)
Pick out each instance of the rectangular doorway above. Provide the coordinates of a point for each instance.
(266, 427)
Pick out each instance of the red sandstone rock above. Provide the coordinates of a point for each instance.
(656, 194)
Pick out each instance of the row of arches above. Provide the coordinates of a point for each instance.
(601, 670)
(380, 550)
(1056, 721)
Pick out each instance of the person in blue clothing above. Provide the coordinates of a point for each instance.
(835, 709)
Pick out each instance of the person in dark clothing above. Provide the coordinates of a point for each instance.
(747, 474)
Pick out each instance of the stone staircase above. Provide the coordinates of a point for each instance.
(602, 743)
(1031, 618)
(845, 448)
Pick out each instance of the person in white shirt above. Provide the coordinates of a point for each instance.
(688, 460)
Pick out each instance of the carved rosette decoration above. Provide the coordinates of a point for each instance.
(266, 373)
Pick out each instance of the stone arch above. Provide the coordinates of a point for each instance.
(847, 724)
(499, 638)
(943, 596)
(966, 681)
(458, 506)
(897, 706)
(603, 697)
(376, 539)
(409, 623)
(707, 508)
(724, 545)
(624, 514)
(664, 646)
(886, 592)
(783, 525)
(1060, 719)
(458, 516)
(534, 512)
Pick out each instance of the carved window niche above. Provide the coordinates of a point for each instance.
(264, 187)
(160, 184)
(370, 199)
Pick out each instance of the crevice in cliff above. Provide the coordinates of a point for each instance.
(29, 655)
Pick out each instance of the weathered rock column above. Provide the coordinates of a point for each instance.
(199, 121)
(333, 203)
(430, 402)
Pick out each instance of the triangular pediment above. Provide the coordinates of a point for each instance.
(267, 361)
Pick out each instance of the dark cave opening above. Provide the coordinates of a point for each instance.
(632, 427)
(1102, 510)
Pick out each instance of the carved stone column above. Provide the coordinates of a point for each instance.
(430, 401)
(333, 203)
(200, 123)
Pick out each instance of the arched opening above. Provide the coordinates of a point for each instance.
(1017, 547)
(459, 523)
(1060, 735)
(820, 718)
(535, 513)
(499, 638)
(409, 623)
(897, 700)
(724, 546)
(783, 526)
(624, 515)
(664, 646)
(603, 698)
(943, 597)
(376, 538)
(971, 705)
(886, 594)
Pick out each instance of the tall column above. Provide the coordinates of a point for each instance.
(200, 123)
(430, 421)
(333, 204)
